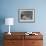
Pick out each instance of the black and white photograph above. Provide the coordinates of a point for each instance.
(26, 15)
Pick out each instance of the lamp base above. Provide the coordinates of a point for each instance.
(9, 33)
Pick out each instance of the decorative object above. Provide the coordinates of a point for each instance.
(30, 33)
(9, 21)
(26, 15)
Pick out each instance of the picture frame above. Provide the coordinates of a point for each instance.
(26, 15)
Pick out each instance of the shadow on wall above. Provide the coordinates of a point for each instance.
(2, 21)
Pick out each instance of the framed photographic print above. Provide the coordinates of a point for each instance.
(26, 15)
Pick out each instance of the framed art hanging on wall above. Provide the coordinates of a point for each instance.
(26, 15)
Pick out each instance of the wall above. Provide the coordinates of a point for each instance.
(9, 8)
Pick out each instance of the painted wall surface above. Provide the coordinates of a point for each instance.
(9, 8)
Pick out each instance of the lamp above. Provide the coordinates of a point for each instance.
(9, 21)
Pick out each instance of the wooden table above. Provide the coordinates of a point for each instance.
(20, 39)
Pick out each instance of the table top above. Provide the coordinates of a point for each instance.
(22, 35)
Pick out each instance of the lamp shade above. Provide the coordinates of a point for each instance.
(9, 21)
